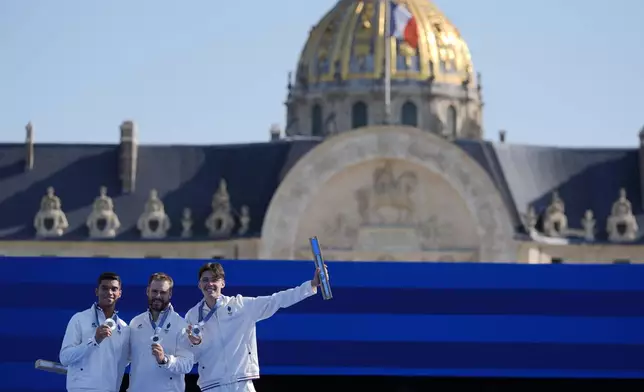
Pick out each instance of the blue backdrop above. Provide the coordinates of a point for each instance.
(386, 318)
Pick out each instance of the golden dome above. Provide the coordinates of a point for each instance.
(349, 44)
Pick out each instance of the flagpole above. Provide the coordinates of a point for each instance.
(387, 61)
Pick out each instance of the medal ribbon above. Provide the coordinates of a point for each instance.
(115, 317)
(202, 319)
(154, 325)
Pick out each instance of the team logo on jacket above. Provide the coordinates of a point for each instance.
(167, 328)
(230, 311)
(139, 326)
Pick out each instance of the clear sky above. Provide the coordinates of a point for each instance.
(555, 72)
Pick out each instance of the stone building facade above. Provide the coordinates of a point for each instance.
(424, 186)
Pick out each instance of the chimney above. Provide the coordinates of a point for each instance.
(29, 146)
(128, 150)
(641, 154)
(502, 134)
(276, 132)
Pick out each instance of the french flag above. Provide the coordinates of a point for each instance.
(403, 24)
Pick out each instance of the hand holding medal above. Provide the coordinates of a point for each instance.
(102, 332)
(194, 333)
(110, 323)
(158, 353)
(105, 330)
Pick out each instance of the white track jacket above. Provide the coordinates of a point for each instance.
(228, 350)
(94, 367)
(146, 375)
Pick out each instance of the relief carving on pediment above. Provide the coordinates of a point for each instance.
(390, 213)
(389, 199)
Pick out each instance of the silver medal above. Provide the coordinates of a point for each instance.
(110, 323)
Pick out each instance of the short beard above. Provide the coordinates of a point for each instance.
(153, 307)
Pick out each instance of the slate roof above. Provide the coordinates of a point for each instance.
(184, 176)
(188, 176)
(585, 179)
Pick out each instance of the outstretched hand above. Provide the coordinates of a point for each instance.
(315, 282)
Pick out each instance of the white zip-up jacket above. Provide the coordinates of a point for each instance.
(92, 366)
(228, 351)
(146, 375)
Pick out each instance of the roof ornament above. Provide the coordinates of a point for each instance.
(588, 223)
(220, 223)
(154, 223)
(29, 144)
(50, 220)
(103, 221)
(621, 224)
(530, 219)
(289, 82)
(555, 223)
(186, 223)
(244, 220)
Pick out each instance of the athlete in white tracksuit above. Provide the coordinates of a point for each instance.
(159, 348)
(96, 355)
(226, 351)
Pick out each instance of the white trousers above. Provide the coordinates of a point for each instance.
(242, 386)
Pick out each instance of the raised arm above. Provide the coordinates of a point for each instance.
(73, 349)
(260, 308)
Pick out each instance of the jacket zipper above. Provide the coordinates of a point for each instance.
(223, 346)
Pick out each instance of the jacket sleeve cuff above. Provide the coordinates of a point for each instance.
(309, 289)
(171, 360)
(92, 342)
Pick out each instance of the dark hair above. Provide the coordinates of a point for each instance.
(162, 277)
(216, 269)
(108, 276)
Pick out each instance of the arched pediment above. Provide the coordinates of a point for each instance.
(394, 179)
